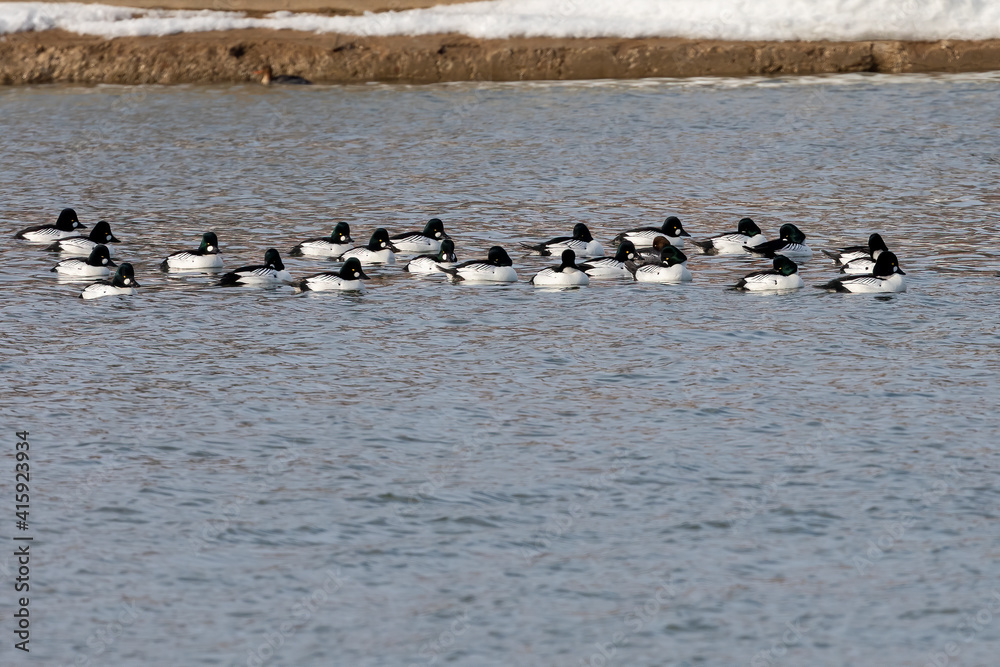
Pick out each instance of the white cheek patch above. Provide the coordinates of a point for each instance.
(210, 248)
(104, 261)
(127, 281)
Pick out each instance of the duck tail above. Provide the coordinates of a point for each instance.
(538, 249)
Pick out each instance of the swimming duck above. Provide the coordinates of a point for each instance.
(791, 242)
(272, 271)
(84, 245)
(348, 278)
(885, 277)
(267, 77)
(496, 268)
(613, 267)
(567, 274)
(783, 276)
(733, 243)
(643, 237)
(205, 256)
(334, 245)
(428, 240)
(123, 284)
(378, 251)
(653, 254)
(669, 269)
(95, 266)
(843, 256)
(66, 225)
(433, 263)
(581, 243)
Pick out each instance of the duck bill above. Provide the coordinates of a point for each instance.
(900, 271)
(110, 263)
(363, 276)
(393, 248)
(112, 239)
(684, 233)
(135, 284)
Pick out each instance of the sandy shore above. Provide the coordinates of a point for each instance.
(224, 57)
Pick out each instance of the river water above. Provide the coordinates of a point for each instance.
(446, 474)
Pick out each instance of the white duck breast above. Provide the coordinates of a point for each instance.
(732, 244)
(770, 281)
(79, 245)
(653, 273)
(568, 277)
(795, 251)
(187, 261)
(322, 248)
(427, 264)
(416, 242)
(859, 266)
(580, 248)
(79, 268)
(605, 267)
(262, 275)
(481, 272)
(366, 256)
(98, 290)
(46, 234)
(331, 281)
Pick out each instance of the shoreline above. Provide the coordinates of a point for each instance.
(56, 56)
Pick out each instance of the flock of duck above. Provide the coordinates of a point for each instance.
(645, 254)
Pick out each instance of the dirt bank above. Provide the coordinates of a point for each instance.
(223, 57)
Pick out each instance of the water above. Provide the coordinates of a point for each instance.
(445, 474)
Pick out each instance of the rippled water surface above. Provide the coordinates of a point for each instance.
(445, 474)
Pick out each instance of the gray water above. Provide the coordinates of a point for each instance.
(432, 473)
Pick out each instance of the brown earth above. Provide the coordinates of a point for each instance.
(223, 57)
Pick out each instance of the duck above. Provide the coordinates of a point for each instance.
(843, 256)
(567, 274)
(859, 266)
(267, 77)
(783, 276)
(84, 245)
(66, 225)
(581, 242)
(613, 267)
(270, 272)
(791, 242)
(95, 266)
(205, 256)
(669, 269)
(334, 245)
(643, 237)
(733, 243)
(122, 284)
(885, 277)
(653, 254)
(433, 263)
(428, 240)
(348, 279)
(379, 250)
(496, 268)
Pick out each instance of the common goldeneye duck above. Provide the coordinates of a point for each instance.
(334, 245)
(567, 274)
(348, 278)
(643, 237)
(272, 271)
(84, 245)
(433, 263)
(378, 251)
(733, 243)
(858, 267)
(669, 269)
(94, 266)
(613, 267)
(843, 256)
(123, 284)
(205, 256)
(581, 243)
(783, 276)
(496, 268)
(66, 225)
(885, 277)
(791, 242)
(267, 77)
(428, 240)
